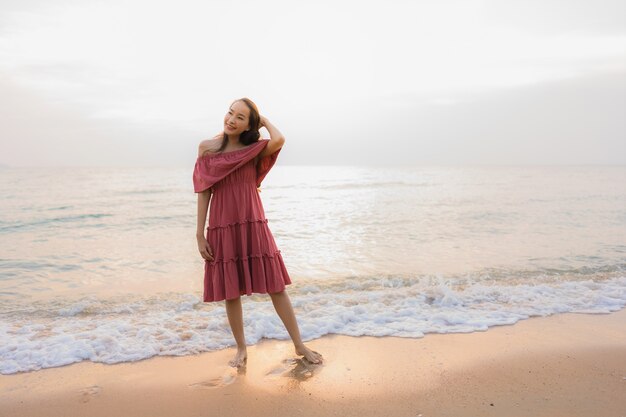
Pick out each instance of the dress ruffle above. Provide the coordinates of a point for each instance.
(246, 260)
(213, 167)
(236, 223)
(236, 241)
(243, 277)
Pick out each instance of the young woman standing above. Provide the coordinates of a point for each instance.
(239, 250)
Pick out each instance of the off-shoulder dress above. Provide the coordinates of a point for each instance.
(246, 258)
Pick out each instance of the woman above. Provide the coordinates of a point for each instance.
(240, 253)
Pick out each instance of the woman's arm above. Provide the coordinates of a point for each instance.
(203, 207)
(204, 198)
(276, 138)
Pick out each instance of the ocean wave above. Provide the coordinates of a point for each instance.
(373, 184)
(131, 328)
(18, 226)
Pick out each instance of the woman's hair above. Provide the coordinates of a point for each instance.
(250, 136)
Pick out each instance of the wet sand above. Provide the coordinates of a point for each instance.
(563, 365)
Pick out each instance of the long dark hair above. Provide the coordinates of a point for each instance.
(250, 136)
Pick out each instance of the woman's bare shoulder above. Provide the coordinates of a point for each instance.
(210, 145)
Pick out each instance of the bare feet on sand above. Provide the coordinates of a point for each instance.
(240, 358)
(310, 355)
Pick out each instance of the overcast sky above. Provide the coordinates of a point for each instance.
(127, 82)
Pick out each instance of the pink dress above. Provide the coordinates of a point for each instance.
(246, 259)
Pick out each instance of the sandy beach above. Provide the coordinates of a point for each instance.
(561, 365)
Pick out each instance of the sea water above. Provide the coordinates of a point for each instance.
(102, 264)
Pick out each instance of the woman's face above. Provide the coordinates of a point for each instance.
(237, 119)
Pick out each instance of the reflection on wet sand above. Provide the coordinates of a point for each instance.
(298, 369)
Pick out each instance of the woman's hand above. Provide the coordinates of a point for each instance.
(276, 138)
(262, 121)
(205, 249)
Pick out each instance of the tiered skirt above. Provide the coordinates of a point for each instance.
(246, 261)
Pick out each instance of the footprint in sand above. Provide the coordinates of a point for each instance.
(218, 382)
(295, 368)
(89, 392)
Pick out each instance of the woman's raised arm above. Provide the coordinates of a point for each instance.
(276, 138)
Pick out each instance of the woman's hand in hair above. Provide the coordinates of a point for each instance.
(262, 121)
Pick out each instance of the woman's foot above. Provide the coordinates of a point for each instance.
(240, 358)
(310, 355)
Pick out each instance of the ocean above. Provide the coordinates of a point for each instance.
(101, 264)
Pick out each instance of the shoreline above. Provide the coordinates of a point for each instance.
(566, 364)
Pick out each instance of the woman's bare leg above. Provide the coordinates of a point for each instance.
(283, 307)
(234, 311)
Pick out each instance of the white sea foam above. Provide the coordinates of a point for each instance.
(179, 324)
